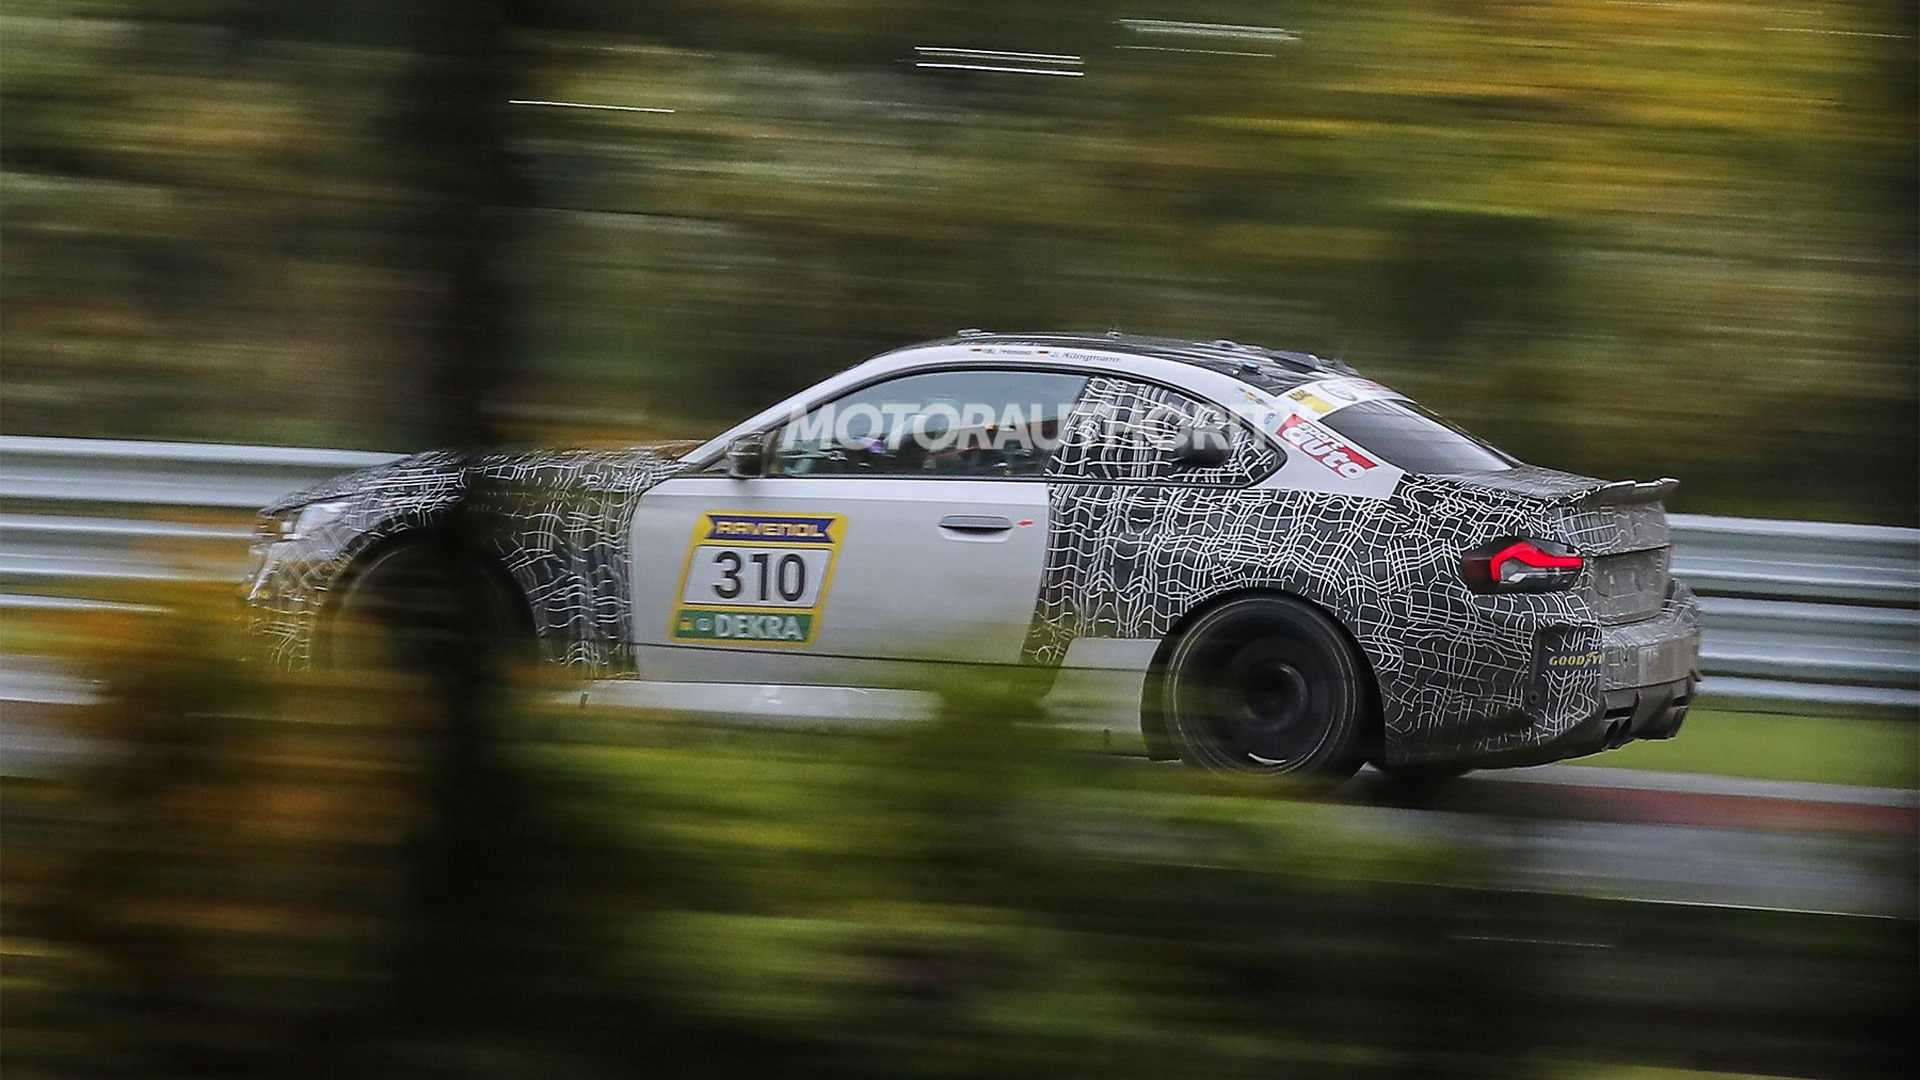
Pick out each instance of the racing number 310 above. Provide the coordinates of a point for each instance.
(787, 575)
(755, 576)
(756, 579)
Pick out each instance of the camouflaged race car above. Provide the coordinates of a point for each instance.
(1290, 568)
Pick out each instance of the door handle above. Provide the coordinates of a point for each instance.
(975, 523)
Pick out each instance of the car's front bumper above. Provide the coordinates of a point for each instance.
(284, 594)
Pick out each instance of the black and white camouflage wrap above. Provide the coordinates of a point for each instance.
(556, 523)
(1148, 418)
(1135, 547)
(1458, 672)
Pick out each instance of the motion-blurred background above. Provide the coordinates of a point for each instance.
(1621, 237)
(1627, 238)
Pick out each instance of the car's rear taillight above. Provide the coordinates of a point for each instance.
(1517, 565)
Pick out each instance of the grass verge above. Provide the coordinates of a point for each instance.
(1774, 746)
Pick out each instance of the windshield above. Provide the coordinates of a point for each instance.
(1414, 439)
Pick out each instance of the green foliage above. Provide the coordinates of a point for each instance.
(248, 877)
(1880, 751)
(962, 898)
(1625, 239)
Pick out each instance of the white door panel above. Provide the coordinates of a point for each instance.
(770, 573)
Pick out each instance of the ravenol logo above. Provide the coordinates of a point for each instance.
(770, 529)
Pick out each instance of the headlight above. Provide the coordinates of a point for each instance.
(300, 523)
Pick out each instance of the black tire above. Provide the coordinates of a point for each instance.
(1267, 686)
(416, 607)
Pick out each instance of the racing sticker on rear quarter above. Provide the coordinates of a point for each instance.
(1339, 456)
(756, 579)
(1317, 399)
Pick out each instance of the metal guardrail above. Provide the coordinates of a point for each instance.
(97, 474)
(1794, 611)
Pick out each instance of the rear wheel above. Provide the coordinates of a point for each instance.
(1267, 686)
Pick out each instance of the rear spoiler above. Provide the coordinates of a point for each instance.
(1628, 491)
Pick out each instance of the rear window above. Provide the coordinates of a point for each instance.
(1415, 439)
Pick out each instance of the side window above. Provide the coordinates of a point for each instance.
(1124, 430)
(971, 423)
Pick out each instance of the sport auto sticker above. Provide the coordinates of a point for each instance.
(756, 579)
(1323, 446)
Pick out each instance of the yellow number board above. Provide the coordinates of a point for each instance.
(756, 579)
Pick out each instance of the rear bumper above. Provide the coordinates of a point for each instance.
(1641, 688)
(1577, 687)
(1626, 714)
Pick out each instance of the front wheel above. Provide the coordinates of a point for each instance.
(417, 607)
(1267, 686)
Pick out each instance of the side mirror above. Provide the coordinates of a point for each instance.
(747, 457)
(1201, 445)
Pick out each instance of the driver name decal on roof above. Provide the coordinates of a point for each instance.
(756, 579)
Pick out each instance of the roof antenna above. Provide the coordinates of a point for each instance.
(1114, 332)
(1340, 358)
